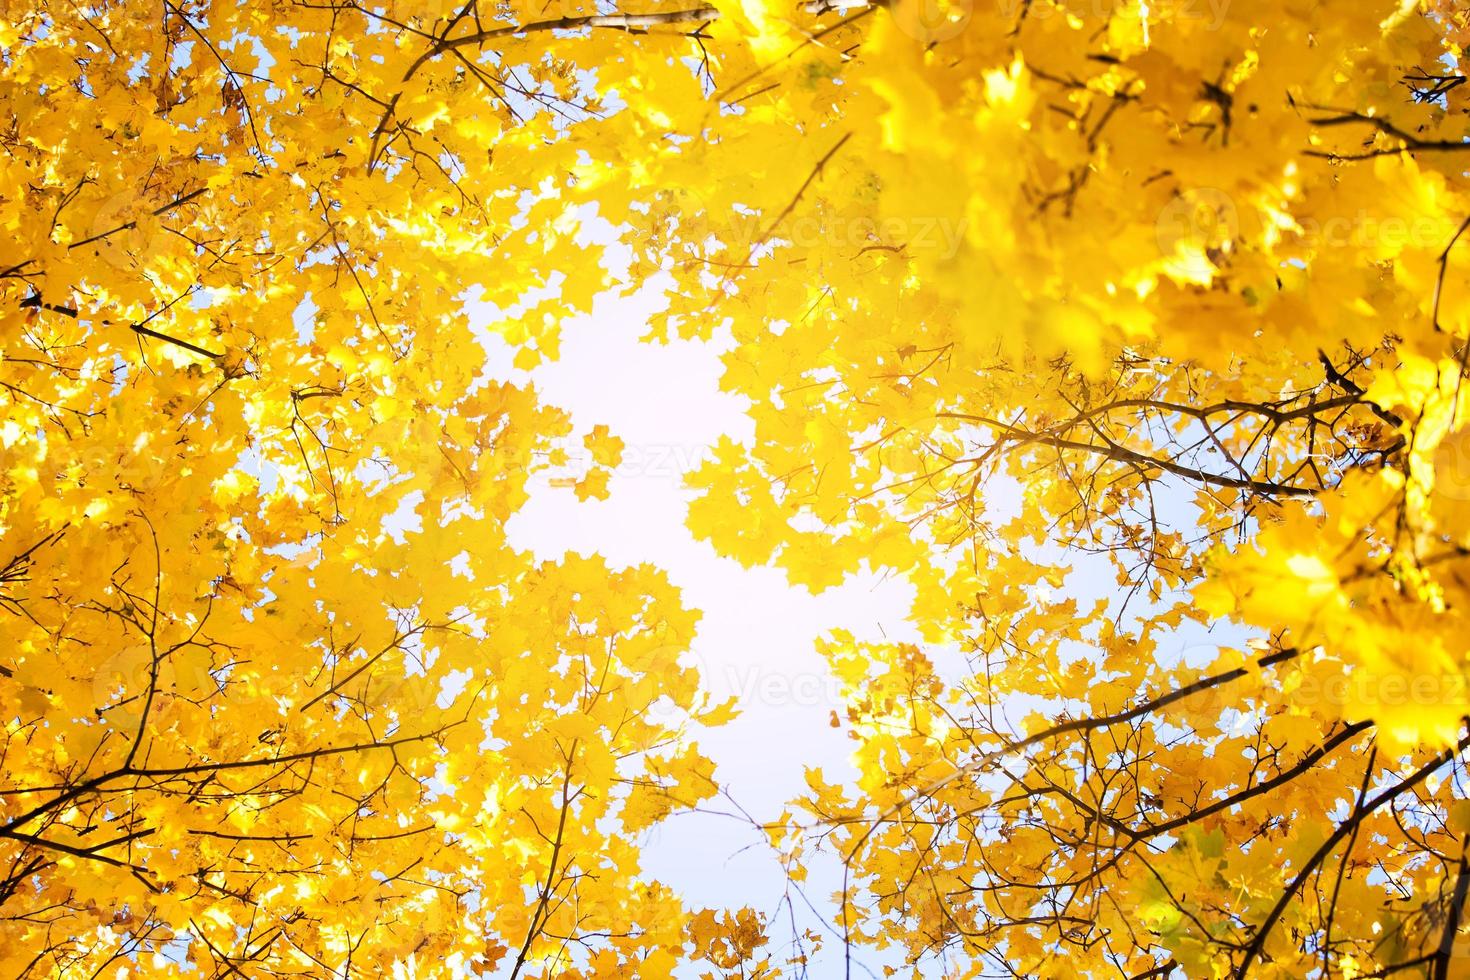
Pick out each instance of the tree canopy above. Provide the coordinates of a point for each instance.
(1133, 335)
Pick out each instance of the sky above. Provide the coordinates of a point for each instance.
(756, 638)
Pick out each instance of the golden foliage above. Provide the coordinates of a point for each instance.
(1133, 335)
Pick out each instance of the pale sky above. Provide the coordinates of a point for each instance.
(756, 637)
